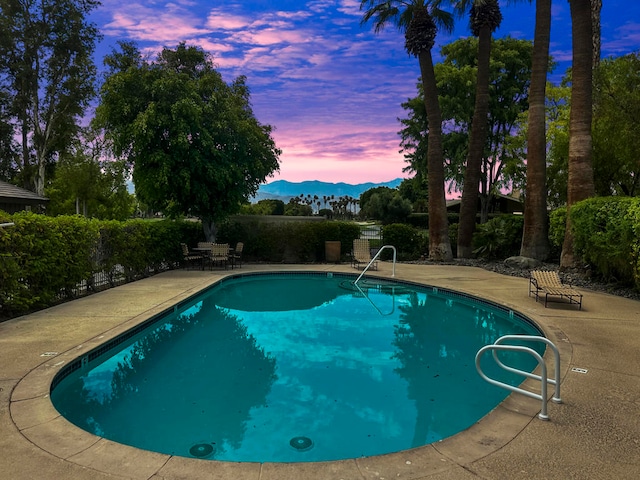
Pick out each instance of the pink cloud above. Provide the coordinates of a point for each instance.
(147, 25)
(220, 21)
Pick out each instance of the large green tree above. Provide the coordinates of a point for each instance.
(616, 143)
(616, 108)
(535, 236)
(510, 74)
(485, 19)
(46, 63)
(193, 140)
(419, 19)
(581, 182)
(384, 204)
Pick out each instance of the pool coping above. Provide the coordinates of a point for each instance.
(37, 421)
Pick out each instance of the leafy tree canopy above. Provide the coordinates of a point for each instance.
(510, 72)
(193, 141)
(264, 207)
(87, 181)
(48, 77)
(384, 204)
(616, 108)
(616, 142)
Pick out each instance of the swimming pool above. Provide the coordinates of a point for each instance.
(293, 367)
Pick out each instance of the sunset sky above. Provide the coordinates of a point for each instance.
(331, 87)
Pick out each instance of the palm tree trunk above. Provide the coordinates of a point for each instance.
(596, 8)
(439, 243)
(479, 126)
(581, 182)
(535, 237)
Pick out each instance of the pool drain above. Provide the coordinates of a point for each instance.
(201, 450)
(301, 444)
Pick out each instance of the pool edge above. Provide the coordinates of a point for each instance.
(34, 416)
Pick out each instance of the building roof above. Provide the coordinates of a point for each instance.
(15, 194)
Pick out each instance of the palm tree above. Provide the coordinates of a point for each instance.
(581, 182)
(535, 237)
(596, 8)
(485, 19)
(419, 19)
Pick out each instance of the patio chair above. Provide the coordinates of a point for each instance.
(361, 254)
(189, 257)
(219, 254)
(548, 283)
(236, 255)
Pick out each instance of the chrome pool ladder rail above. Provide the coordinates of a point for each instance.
(375, 257)
(499, 345)
(366, 295)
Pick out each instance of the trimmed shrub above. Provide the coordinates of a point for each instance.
(44, 260)
(419, 220)
(604, 235)
(405, 238)
(288, 242)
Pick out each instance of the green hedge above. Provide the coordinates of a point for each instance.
(409, 242)
(44, 260)
(605, 232)
(288, 242)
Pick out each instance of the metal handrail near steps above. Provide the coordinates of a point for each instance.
(393, 274)
(499, 345)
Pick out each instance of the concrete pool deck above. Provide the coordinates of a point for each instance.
(593, 434)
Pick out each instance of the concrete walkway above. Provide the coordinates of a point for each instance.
(594, 434)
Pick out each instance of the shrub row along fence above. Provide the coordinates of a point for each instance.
(46, 260)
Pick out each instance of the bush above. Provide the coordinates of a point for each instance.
(604, 235)
(288, 242)
(419, 220)
(405, 238)
(557, 225)
(500, 237)
(44, 260)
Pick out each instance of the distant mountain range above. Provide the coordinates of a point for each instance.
(284, 190)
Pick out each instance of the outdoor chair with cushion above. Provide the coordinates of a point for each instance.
(219, 254)
(547, 284)
(188, 257)
(361, 254)
(236, 255)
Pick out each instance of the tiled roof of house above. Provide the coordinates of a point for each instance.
(8, 191)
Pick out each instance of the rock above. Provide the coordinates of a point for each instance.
(524, 263)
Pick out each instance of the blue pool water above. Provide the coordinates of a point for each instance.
(295, 368)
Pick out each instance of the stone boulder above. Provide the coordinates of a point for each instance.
(523, 263)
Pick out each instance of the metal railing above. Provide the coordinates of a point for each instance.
(499, 345)
(366, 295)
(393, 274)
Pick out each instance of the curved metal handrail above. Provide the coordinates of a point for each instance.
(393, 274)
(518, 348)
(534, 338)
(393, 300)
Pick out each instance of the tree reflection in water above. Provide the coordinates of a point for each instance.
(200, 412)
(436, 345)
(356, 376)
